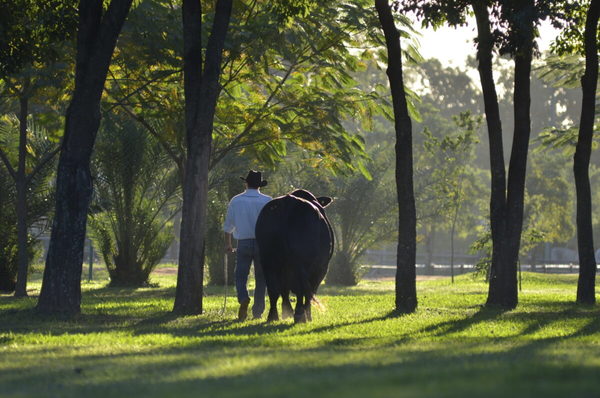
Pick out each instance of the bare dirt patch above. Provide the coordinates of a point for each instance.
(165, 271)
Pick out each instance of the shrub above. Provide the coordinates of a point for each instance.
(135, 201)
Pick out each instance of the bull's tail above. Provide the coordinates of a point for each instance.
(318, 304)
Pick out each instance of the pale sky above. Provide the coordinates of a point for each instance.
(452, 46)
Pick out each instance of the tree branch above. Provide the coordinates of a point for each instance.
(45, 159)
(177, 159)
(139, 89)
(236, 140)
(9, 167)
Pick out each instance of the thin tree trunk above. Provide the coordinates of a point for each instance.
(452, 232)
(506, 204)
(585, 241)
(201, 93)
(96, 39)
(497, 167)
(406, 292)
(21, 185)
(430, 248)
(518, 159)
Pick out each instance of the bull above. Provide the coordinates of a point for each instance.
(295, 241)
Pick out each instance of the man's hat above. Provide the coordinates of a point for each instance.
(254, 179)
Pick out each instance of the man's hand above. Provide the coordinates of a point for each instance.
(228, 246)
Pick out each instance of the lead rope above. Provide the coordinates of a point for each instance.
(225, 260)
(225, 269)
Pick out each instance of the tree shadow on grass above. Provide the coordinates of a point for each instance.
(410, 371)
(30, 320)
(458, 325)
(335, 326)
(127, 293)
(201, 326)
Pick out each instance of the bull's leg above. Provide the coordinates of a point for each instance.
(300, 313)
(307, 309)
(273, 315)
(286, 306)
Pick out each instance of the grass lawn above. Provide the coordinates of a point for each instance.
(126, 343)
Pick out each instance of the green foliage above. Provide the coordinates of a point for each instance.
(135, 199)
(40, 197)
(569, 18)
(548, 209)
(215, 246)
(32, 32)
(288, 10)
(482, 246)
(562, 71)
(280, 85)
(441, 164)
(560, 138)
(360, 215)
(549, 200)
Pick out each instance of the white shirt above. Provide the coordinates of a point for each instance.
(242, 213)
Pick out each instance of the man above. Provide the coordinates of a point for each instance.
(240, 222)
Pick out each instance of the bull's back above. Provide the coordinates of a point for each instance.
(294, 241)
(269, 226)
(290, 226)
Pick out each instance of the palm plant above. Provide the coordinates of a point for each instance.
(135, 200)
(39, 195)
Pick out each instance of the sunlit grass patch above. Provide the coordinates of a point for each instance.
(126, 342)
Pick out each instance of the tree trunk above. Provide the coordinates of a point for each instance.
(21, 185)
(452, 232)
(406, 292)
(518, 159)
(96, 39)
(430, 248)
(497, 167)
(533, 258)
(506, 204)
(201, 93)
(585, 241)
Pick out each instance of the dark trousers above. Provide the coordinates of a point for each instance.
(247, 252)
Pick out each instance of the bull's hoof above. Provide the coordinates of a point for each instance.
(273, 317)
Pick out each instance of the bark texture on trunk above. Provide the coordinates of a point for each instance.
(21, 185)
(518, 158)
(586, 285)
(96, 39)
(201, 85)
(406, 292)
(506, 200)
(494, 127)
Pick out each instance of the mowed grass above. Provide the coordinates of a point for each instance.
(126, 343)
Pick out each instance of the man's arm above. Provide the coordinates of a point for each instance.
(228, 245)
(228, 228)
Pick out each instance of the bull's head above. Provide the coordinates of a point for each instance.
(324, 201)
